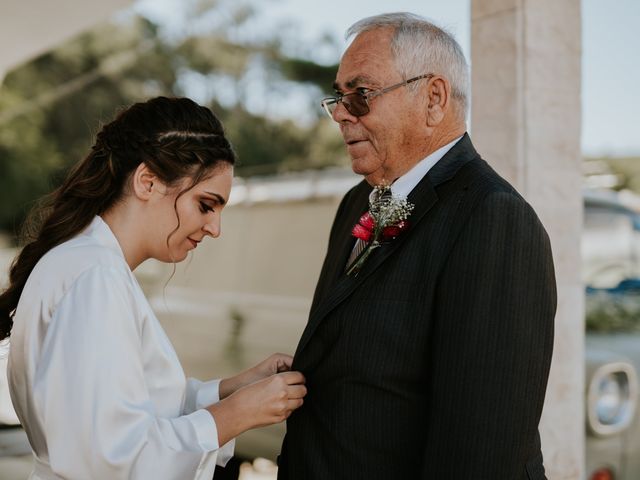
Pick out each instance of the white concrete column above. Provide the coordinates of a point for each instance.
(526, 123)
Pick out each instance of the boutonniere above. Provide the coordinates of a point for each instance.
(385, 220)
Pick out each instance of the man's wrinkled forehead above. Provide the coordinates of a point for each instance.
(355, 82)
(366, 62)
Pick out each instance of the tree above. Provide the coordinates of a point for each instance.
(51, 107)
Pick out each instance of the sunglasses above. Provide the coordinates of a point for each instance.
(357, 103)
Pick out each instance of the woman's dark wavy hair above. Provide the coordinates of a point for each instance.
(176, 139)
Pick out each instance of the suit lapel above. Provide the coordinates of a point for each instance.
(345, 240)
(344, 285)
(423, 196)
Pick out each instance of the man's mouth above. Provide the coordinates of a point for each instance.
(354, 141)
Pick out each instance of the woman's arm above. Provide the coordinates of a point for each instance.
(265, 402)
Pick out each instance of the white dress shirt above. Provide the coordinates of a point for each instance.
(94, 379)
(403, 186)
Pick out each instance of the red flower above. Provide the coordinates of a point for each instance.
(364, 229)
(367, 221)
(393, 231)
(379, 229)
(362, 233)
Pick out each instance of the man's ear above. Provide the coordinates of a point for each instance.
(143, 182)
(438, 94)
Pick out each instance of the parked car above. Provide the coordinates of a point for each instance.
(611, 273)
(248, 293)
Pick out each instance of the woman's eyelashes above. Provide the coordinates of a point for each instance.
(205, 208)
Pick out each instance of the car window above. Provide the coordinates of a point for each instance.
(607, 247)
(610, 272)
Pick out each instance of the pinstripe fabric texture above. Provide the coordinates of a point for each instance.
(432, 363)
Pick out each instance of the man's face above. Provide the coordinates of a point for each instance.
(383, 144)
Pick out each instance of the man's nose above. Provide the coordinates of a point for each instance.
(342, 115)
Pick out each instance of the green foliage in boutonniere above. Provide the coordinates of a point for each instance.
(385, 220)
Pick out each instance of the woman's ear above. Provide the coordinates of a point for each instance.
(438, 100)
(143, 182)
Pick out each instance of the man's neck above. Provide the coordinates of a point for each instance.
(439, 139)
(403, 186)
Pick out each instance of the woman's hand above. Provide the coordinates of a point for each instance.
(265, 402)
(276, 363)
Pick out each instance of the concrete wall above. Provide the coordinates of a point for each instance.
(526, 123)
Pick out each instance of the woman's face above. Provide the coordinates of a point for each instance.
(196, 215)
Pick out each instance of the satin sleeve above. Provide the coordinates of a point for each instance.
(200, 395)
(91, 395)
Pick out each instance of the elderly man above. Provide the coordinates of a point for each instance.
(429, 340)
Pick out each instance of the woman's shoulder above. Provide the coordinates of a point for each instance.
(81, 253)
(77, 257)
(79, 262)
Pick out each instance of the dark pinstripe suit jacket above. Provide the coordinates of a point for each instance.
(432, 363)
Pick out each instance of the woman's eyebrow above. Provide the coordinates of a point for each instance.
(219, 198)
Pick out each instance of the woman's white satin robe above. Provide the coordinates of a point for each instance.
(94, 379)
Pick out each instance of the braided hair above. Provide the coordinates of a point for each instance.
(176, 139)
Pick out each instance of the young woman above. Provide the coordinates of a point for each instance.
(93, 378)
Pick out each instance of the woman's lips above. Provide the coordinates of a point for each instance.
(193, 242)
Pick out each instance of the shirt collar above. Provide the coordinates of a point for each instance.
(403, 186)
(101, 232)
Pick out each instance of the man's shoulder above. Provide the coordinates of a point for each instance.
(481, 179)
(487, 191)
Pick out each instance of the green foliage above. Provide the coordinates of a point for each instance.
(51, 107)
(27, 161)
(307, 71)
(266, 147)
(626, 169)
(613, 312)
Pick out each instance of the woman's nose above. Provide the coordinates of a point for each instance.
(213, 227)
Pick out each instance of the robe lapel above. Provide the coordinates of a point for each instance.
(423, 196)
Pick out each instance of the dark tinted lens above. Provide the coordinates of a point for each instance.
(355, 104)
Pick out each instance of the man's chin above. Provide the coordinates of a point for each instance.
(362, 166)
(372, 178)
(370, 173)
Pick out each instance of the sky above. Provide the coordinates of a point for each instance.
(610, 46)
(611, 76)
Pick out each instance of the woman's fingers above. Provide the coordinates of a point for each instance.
(296, 391)
(294, 404)
(281, 362)
(275, 363)
(292, 378)
(291, 405)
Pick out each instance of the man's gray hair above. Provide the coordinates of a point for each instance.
(419, 47)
